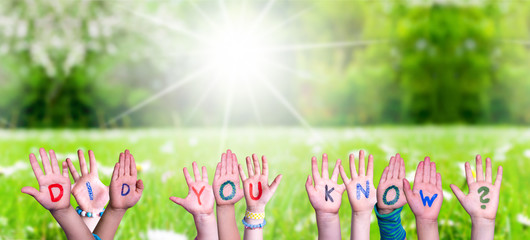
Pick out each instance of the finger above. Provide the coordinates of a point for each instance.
(265, 165)
(204, 174)
(223, 164)
(139, 186)
(249, 167)
(92, 162)
(419, 173)
(257, 168)
(64, 170)
(122, 164)
(308, 183)
(35, 166)
(71, 167)
(234, 163)
(218, 170)
(134, 171)
(427, 170)
(127, 168)
(353, 171)
(361, 163)
(45, 161)
(479, 170)
(402, 172)
(335, 174)
(343, 175)
(177, 200)
(469, 174)
(498, 179)
(314, 169)
(488, 170)
(384, 176)
(325, 171)
(241, 172)
(395, 169)
(433, 173)
(390, 167)
(275, 183)
(55, 164)
(458, 193)
(439, 181)
(229, 162)
(187, 176)
(370, 167)
(196, 173)
(82, 163)
(407, 190)
(30, 191)
(116, 171)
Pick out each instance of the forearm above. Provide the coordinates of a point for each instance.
(226, 222)
(427, 229)
(91, 222)
(109, 222)
(328, 226)
(71, 223)
(390, 226)
(360, 225)
(206, 226)
(482, 228)
(255, 233)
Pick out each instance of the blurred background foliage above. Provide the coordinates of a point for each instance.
(68, 63)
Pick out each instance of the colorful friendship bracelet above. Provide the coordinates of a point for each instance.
(87, 214)
(254, 226)
(256, 216)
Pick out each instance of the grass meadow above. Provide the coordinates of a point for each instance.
(162, 153)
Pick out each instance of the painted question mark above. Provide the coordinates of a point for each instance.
(485, 191)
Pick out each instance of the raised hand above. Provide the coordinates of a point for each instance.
(226, 185)
(258, 192)
(89, 192)
(360, 187)
(390, 195)
(54, 185)
(125, 189)
(200, 199)
(482, 201)
(325, 194)
(425, 199)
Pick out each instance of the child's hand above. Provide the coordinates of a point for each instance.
(257, 189)
(360, 187)
(200, 199)
(483, 198)
(125, 189)
(390, 194)
(425, 199)
(54, 185)
(226, 180)
(89, 192)
(325, 195)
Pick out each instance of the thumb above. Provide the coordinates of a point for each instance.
(275, 183)
(31, 191)
(308, 183)
(458, 193)
(139, 186)
(177, 200)
(407, 190)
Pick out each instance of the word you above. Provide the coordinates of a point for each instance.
(426, 200)
(328, 195)
(483, 191)
(123, 192)
(221, 192)
(198, 194)
(259, 192)
(59, 196)
(396, 198)
(90, 193)
(365, 192)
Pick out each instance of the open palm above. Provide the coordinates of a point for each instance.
(360, 188)
(125, 189)
(89, 192)
(258, 192)
(425, 199)
(54, 185)
(326, 194)
(200, 199)
(483, 198)
(226, 185)
(390, 195)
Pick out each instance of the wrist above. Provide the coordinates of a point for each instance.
(112, 210)
(325, 216)
(256, 209)
(482, 222)
(204, 217)
(225, 207)
(60, 211)
(384, 210)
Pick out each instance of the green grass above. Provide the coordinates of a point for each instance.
(163, 153)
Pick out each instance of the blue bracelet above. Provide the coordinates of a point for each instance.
(96, 237)
(87, 214)
(251, 226)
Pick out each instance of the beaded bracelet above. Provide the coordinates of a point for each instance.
(87, 214)
(254, 226)
(256, 216)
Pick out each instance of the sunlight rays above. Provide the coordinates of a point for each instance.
(311, 46)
